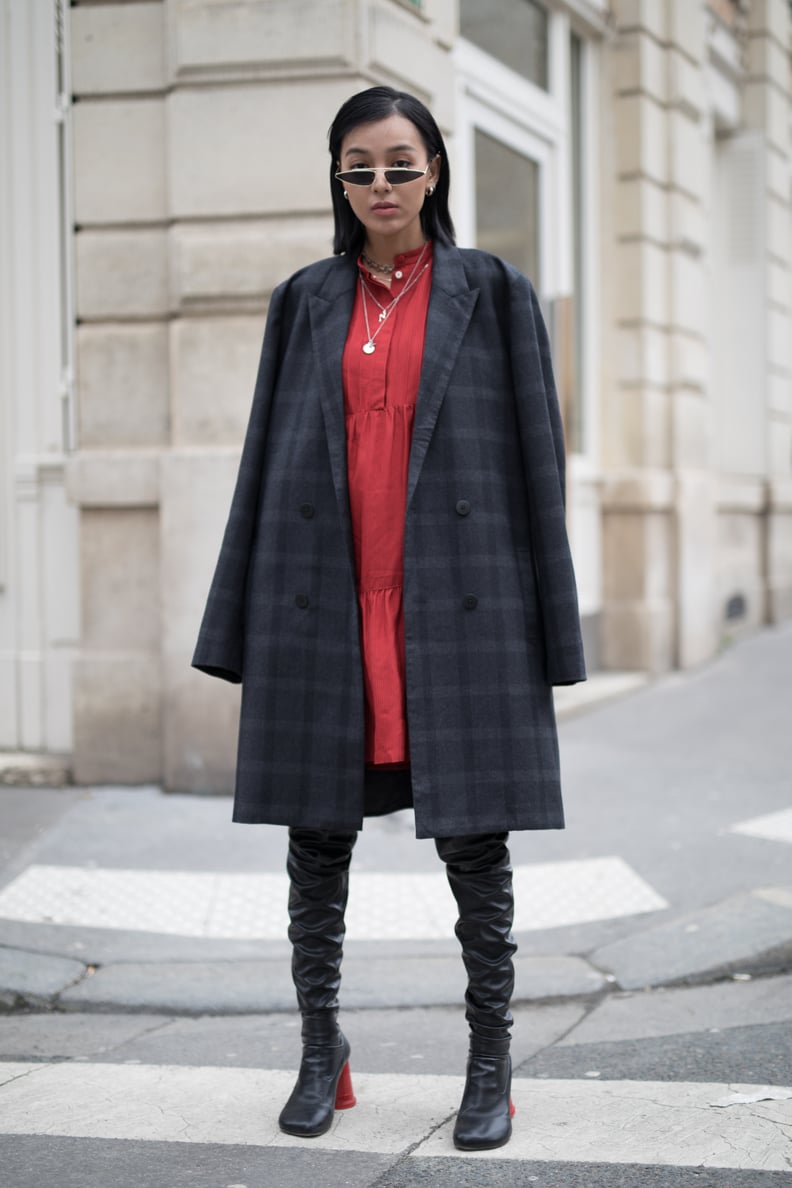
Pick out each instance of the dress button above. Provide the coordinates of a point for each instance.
(398, 274)
(470, 602)
(302, 600)
(463, 508)
(307, 511)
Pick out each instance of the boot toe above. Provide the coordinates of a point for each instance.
(303, 1124)
(477, 1134)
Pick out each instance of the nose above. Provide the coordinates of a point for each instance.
(380, 182)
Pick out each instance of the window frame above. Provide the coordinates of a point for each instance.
(537, 123)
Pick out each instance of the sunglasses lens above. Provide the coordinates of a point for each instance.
(395, 177)
(356, 177)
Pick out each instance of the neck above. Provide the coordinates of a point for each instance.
(384, 250)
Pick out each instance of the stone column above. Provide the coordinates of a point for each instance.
(689, 379)
(119, 78)
(658, 519)
(767, 110)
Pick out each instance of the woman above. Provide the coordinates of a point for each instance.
(395, 589)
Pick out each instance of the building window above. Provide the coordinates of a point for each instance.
(576, 429)
(515, 32)
(507, 204)
(528, 191)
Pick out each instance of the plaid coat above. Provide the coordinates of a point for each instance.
(490, 606)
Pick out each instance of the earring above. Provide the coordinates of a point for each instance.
(346, 195)
(430, 191)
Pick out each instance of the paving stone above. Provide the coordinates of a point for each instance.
(108, 946)
(556, 977)
(405, 1040)
(750, 932)
(34, 978)
(759, 1055)
(684, 1010)
(51, 1035)
(242, 987)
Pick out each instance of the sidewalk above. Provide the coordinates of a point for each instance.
(675, 868)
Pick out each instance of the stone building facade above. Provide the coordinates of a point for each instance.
(167, 166)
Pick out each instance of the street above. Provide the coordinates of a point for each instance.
(149, 1036)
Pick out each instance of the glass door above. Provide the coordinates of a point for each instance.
(507, 203)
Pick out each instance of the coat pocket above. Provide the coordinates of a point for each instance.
(530, 592)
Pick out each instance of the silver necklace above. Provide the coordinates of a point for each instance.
(373, 264)
(386, 310)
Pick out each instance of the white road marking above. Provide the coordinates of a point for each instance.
(393, 906)
(645, 1122)
(660, 1123)
(772, 827)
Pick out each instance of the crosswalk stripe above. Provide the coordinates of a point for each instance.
(394, 905)
(771, 827)
(647, 1122)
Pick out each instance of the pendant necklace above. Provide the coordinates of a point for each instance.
(386, 310)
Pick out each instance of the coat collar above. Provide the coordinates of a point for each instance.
(451, 305)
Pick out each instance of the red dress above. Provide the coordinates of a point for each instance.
(380, 394)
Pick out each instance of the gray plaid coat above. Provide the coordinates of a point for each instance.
(490, 606)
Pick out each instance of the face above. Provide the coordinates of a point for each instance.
(389, 213)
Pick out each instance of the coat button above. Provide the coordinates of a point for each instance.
(463, 508)
(470, 602)
(302, 600)
(307, 511)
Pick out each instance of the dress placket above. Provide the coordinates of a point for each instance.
(380, 392)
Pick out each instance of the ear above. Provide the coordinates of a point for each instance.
(434, 170)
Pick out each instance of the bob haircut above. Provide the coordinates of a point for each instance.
(367, 107)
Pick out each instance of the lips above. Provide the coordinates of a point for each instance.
(384, 206)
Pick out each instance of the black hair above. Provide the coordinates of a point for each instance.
(377, 103)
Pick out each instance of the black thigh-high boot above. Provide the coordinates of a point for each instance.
(480, 874)
(318, 867)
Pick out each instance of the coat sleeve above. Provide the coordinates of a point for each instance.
(542, 442)
(220, 645)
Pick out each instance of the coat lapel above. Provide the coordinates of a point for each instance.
(330, 311)
(451, 306)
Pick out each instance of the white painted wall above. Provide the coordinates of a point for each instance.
(39, 555)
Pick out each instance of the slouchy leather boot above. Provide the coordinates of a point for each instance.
(480, 874)
(318, 867)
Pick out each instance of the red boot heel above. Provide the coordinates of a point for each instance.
(512, 1110)
(345, 1094)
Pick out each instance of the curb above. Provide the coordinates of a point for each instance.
(28, 769)
(45, 983)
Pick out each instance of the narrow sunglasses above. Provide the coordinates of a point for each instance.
(394, 177)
